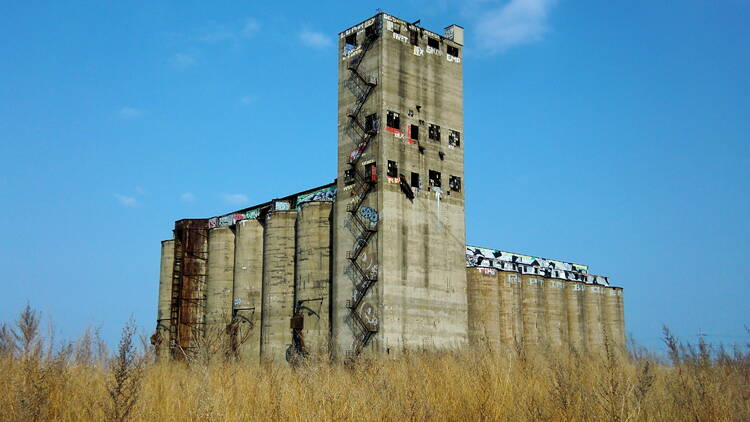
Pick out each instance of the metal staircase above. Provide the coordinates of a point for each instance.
(364, 183)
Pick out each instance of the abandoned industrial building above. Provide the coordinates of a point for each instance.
(377, 261)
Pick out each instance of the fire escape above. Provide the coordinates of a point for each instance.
(364, 183)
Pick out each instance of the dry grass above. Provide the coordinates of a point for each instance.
(80, 382)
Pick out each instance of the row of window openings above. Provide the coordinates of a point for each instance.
(393, 121)
(431, 42)
(454, 182)
(435, 177)
(350, 42)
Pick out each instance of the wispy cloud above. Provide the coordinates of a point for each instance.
(235, 198)
(187, 197)
(130, 113)
(249, 99)
(315, 39)
(183, 61)
(514, 23)
(250, 28)
(127, 201)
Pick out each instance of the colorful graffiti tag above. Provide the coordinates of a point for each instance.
(325, 194)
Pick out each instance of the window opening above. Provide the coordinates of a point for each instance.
(454, 139)
(415, 182)
(370, 31)
(434, 133)
(371, 172)
(396, 28)
(435, 179)
(392, 169)
(348, 177)
(414, 132)
(432, 42)
(452, 51)
(414, 37)
(455, 183)
(350, 42)
(442, 155)
(371, 123)
(393, 120)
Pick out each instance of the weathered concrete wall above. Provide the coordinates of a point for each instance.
(612, 318)
(557, 327)
(220, 281)
(278, 284)
(509, 330)
(592, 303)
(248, 288)
(575, 315)
(485, 327)
(530, 310)
(165, 298)
(313, 274)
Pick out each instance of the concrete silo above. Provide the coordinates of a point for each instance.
(484, 307)
(248, 287)
(219, 281)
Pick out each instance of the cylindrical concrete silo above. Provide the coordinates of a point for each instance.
(530, 310)
(575, 315)
(313, 275)
(247, 290)
(541, 315)
(612, 313)
(278, 284)
(163, 314)
(554, 312)
(507, 283)
(517, 309)
(592, 302)
(219, 282)
(484, 307)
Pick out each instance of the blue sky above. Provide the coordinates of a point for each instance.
(611, 135)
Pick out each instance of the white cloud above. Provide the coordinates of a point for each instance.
(515, 23)
(236, 198)
(139, 190)
(250, 28)
(130, 113)
(183, 60)
(248, 99)
(127, 201)
(315, 39)
(187, 197)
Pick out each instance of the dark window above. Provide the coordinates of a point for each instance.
(371, 172)
(434, 132)
(452, 51)
(432, 42)
(434, 178)
(350, 42)
(442, 155)
(370, 31)
(414, 129)
(414, 37)
(415, 180)
(392, 169)
(348, 177)
(393, 120)
(396, 28)
(371, 123)
(455, 183)
(454, 139)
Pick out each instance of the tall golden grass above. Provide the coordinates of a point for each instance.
(81, 381)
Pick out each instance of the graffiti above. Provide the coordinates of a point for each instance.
(418, 51)
(369, 214)
(225, 221)
(252, 214)
(369, 316)
(213, 222)
(401, 38)
(432, 50)
(357, 28)
(325, 194)
(453, 59)
(487, 271)
(281, 205)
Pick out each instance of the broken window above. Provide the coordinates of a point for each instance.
(414, 132)
(433, 42)
(452, 51)
(414, 37)
(415, 182)
(392, 169)
(435, 179)
(454, 139)
(371, 123)
(371, 172)
(348, 177)
(370, 31)
(455, 183)
(393, 120)
(396, 28)
(350, 42)
(434, 132)
(441, 154)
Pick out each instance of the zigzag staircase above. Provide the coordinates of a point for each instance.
(364, 183)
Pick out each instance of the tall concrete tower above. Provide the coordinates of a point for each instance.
(400, 233)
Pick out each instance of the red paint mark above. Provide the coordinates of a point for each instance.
(393, 130)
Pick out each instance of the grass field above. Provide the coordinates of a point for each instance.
(82, 381)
